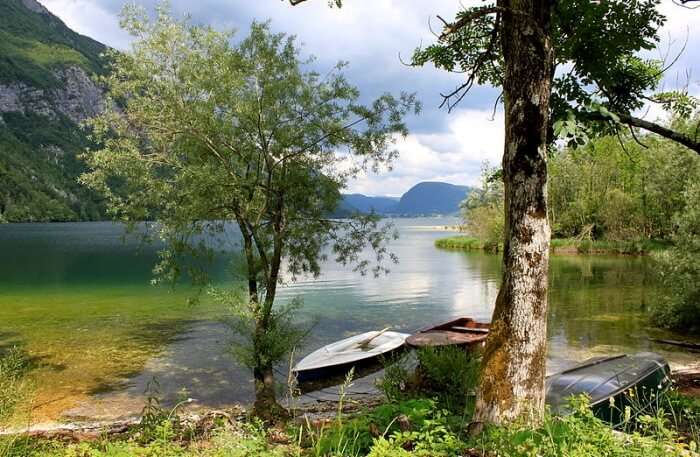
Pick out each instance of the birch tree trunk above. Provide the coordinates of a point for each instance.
(512, 383)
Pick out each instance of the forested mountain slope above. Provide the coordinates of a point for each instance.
(46, 90)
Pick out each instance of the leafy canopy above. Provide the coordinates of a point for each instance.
(597, 73)
(202, 132)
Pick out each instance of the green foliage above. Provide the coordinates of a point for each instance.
(451, 375)
(580, 434)
(631, 247)
(483, 210)
(356, 436)
(683, 414)
(597, 44)
(283, 331)
(433, 437)
(209, 133)
(397, 379)
(619, 192)
(467, 243)
(679, 269)
(38, 166)
(38, 170)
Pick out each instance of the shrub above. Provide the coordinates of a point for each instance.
(451, 375)
(355, 436)
(433, 437)
(679, 270)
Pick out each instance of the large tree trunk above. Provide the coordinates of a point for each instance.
(512, 382)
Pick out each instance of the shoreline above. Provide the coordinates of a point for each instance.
(561, 246)
(685, 380)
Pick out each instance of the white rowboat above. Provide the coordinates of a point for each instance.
(341, 356)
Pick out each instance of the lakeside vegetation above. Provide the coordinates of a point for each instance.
(562, 245)
(424, 413)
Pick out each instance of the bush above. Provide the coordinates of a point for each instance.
(483, 210)
(450, 374)
(679, 270)
(433, 437)
(389, 426)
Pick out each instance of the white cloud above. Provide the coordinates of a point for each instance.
(454, 156)
(371, 34)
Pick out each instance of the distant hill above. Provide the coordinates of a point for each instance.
(365, 204)
(46, 90)
(428, 198)
(423, 199)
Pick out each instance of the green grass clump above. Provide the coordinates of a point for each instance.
(629, 247)
(581, 434)
(420, 421)
(467, 243)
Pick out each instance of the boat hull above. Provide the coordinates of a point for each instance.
(338, 371)
(464, 332)
(613, 384)
(359, 351)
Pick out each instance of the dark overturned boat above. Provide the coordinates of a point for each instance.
(463, 331)
(354, 352)
(612, 383)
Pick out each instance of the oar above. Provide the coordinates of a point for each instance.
(365, 343)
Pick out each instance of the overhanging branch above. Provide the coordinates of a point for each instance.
(660, 130)
(665, 132)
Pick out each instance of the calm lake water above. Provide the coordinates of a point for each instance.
(78, 298)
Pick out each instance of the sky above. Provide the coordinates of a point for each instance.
(374, 35)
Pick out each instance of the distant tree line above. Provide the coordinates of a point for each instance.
(612, 188)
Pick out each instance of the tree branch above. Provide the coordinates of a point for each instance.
(660, 130)
(467, 18)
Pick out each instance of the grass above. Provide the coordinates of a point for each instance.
(403, 428)
(466, 243)
(563, 245)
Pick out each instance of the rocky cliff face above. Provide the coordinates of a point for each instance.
(77, 97)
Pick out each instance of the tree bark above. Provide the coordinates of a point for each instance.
(512, 381)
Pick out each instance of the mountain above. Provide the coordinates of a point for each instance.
(430, 198)
(365, 204)
(46, 90)
(423, 199)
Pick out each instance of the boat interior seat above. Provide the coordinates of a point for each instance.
(459, 328)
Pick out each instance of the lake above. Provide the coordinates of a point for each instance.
(78, 298)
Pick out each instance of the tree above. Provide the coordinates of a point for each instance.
(482, 210)
(519, 45)
(679, 306)
(202, 133)
(583, 54)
